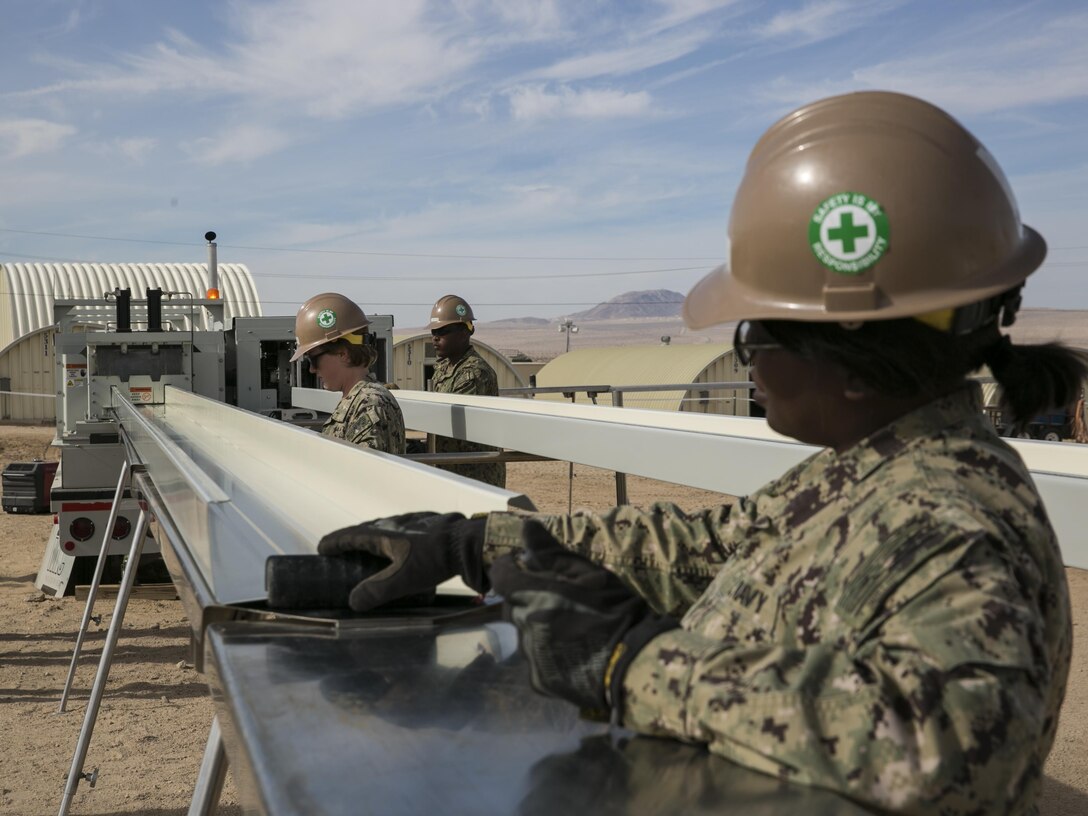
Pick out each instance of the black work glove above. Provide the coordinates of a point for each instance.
(423, 549)
(580, 625)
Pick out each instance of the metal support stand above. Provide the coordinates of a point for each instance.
(570, 465)
(92, 593)
(75, 773)
(213, 770)
(621, 478)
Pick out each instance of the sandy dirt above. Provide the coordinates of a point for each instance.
(543, 342)
(155, 715)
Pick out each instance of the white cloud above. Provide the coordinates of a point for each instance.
(821, 20)
(136, 149)
(328, 59)
(535, 102)
(534, 19)
(627, 60)
(240, 144)
(1021, 71)
(678, 12)
(23, 137)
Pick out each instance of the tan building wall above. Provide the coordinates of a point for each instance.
(413, 362)
(28, 366)
(650, 365)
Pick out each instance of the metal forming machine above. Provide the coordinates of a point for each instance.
(139, 348)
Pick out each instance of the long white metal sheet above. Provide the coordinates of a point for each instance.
(732, 455)
(240, 487)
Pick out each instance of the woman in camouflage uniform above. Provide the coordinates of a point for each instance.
(888, 620)
(331, 332)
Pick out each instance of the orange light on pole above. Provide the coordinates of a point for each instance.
(213, 294)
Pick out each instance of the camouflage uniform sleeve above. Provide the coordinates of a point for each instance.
(376, 422)
(929, 701)
(473, 378)
(666, 555)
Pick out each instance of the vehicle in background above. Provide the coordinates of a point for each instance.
(1050, 427)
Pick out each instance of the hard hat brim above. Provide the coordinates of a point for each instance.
(722, 298)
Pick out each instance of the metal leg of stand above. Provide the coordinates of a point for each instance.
(213, 770)
(621, 478)
(96, 581)
(621, 488)
(75, 773)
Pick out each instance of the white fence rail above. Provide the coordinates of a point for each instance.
(732, 455)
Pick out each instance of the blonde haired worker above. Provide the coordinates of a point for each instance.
(331, 334)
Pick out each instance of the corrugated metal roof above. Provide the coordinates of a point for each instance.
(632, 365)
(27, 290)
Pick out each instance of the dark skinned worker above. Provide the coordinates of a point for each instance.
(890, 618)
(461, 370)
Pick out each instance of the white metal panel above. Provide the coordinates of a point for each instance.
(241, 487)
(732, 455)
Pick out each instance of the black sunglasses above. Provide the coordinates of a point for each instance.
(752, 336)
(449, 329)
(311, 357)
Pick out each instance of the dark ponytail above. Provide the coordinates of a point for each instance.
(904, 357)
(1037, 378)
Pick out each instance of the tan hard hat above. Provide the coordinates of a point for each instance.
(450, 309)
(867, 206)
(326, 317)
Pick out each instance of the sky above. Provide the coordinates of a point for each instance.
(534, 157)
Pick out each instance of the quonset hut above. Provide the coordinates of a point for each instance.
(413, 363)
(655, 365)
(29, 290)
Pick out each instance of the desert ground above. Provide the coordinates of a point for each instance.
(541, 341)
(155, 715)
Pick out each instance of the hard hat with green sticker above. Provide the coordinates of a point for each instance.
(326, 318)
(848, 232)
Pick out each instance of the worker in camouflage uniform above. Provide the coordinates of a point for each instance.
(331, 333)
(461, 370)
(889, 619)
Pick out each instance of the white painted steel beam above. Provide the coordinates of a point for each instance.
(731, 455)
(240, 487)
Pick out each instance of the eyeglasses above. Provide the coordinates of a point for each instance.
(752, 336)
(444, 330)
(311, 357)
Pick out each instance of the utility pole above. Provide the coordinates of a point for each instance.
(569, 328)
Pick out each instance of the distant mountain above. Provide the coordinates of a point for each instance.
(519, 321)
(648, 303)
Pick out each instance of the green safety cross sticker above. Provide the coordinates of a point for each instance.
(326, 318)
(460, 309)
(848, 233)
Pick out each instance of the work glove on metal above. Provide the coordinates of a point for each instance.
(580, 625)
(424, 549)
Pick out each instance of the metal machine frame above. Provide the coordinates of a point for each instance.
(168, 340)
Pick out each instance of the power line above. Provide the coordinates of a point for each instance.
(359, 251)
(371, 303)
(429, 278)
(543, 276)
(420, 278)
